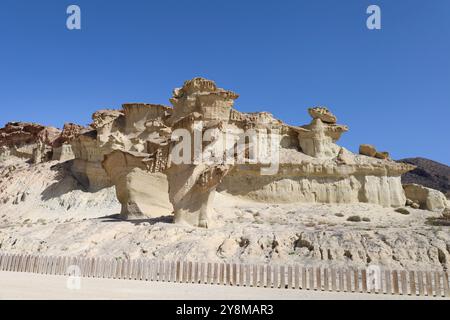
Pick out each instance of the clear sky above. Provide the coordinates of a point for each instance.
(390, 86)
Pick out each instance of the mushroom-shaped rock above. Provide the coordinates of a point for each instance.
(323, 114)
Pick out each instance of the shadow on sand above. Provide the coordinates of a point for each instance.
(118, 218)
(65, 182)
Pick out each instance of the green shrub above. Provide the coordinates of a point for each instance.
(354, 219)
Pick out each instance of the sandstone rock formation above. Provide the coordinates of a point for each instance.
(318, 138)
(429, 173)
(62, 149)
(28, 140)
(367, 150)
(427, 198)
(323, 114)
(165, 159)
(370, 151)
(141, 189)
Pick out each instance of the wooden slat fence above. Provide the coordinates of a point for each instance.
(392, 282)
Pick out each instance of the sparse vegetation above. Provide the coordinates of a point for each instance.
(340, 215)
(348, 254)
(402, 211)
(300, 243)
(354, 219)
(365, 219)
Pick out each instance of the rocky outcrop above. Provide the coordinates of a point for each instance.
(199, 107)
(367, 150)
(62, 149)
(28, 140)
(323, 114)
(429, 173)
(370, 151)
(141, 188)
(428, 199)
(175, 159)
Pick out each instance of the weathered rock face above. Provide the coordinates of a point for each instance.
(140, 188)
(427, 198)
(162, 159)
(323, 182)
(367, 150)
(62, 149)
(318, 138)
(69, 132)
(126, 148)
(28, 140)
(370, 151)
(199, 106)
(430, 174)
(87, 167)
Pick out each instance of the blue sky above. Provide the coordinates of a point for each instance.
(390, 86)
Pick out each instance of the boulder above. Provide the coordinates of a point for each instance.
(367, 150)
(253, 155)
(428, 199)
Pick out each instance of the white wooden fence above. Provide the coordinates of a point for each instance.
(412, 283)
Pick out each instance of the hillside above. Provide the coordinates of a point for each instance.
(429, 173)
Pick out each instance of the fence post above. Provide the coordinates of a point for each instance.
(242, 269)
(437, 283)
(228, 274)
(412, 283)
(283, 277)
(304, 278)
(268, 276)
(311, 279)
(275, 276)
(364, 280)
(348, 278)
(221, 273)
(255, 276)
(446, 284)
(326, 279)
(196, 273)
(297, 276)
(358, 288)
(189, 272)
(395, 282)
(420, 283)
(178, 272)
(216, 273)
(404, 283)
(247, 275)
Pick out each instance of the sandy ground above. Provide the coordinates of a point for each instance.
(43, 210)
(25, 286)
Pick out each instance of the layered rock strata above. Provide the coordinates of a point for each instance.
(165, 159)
